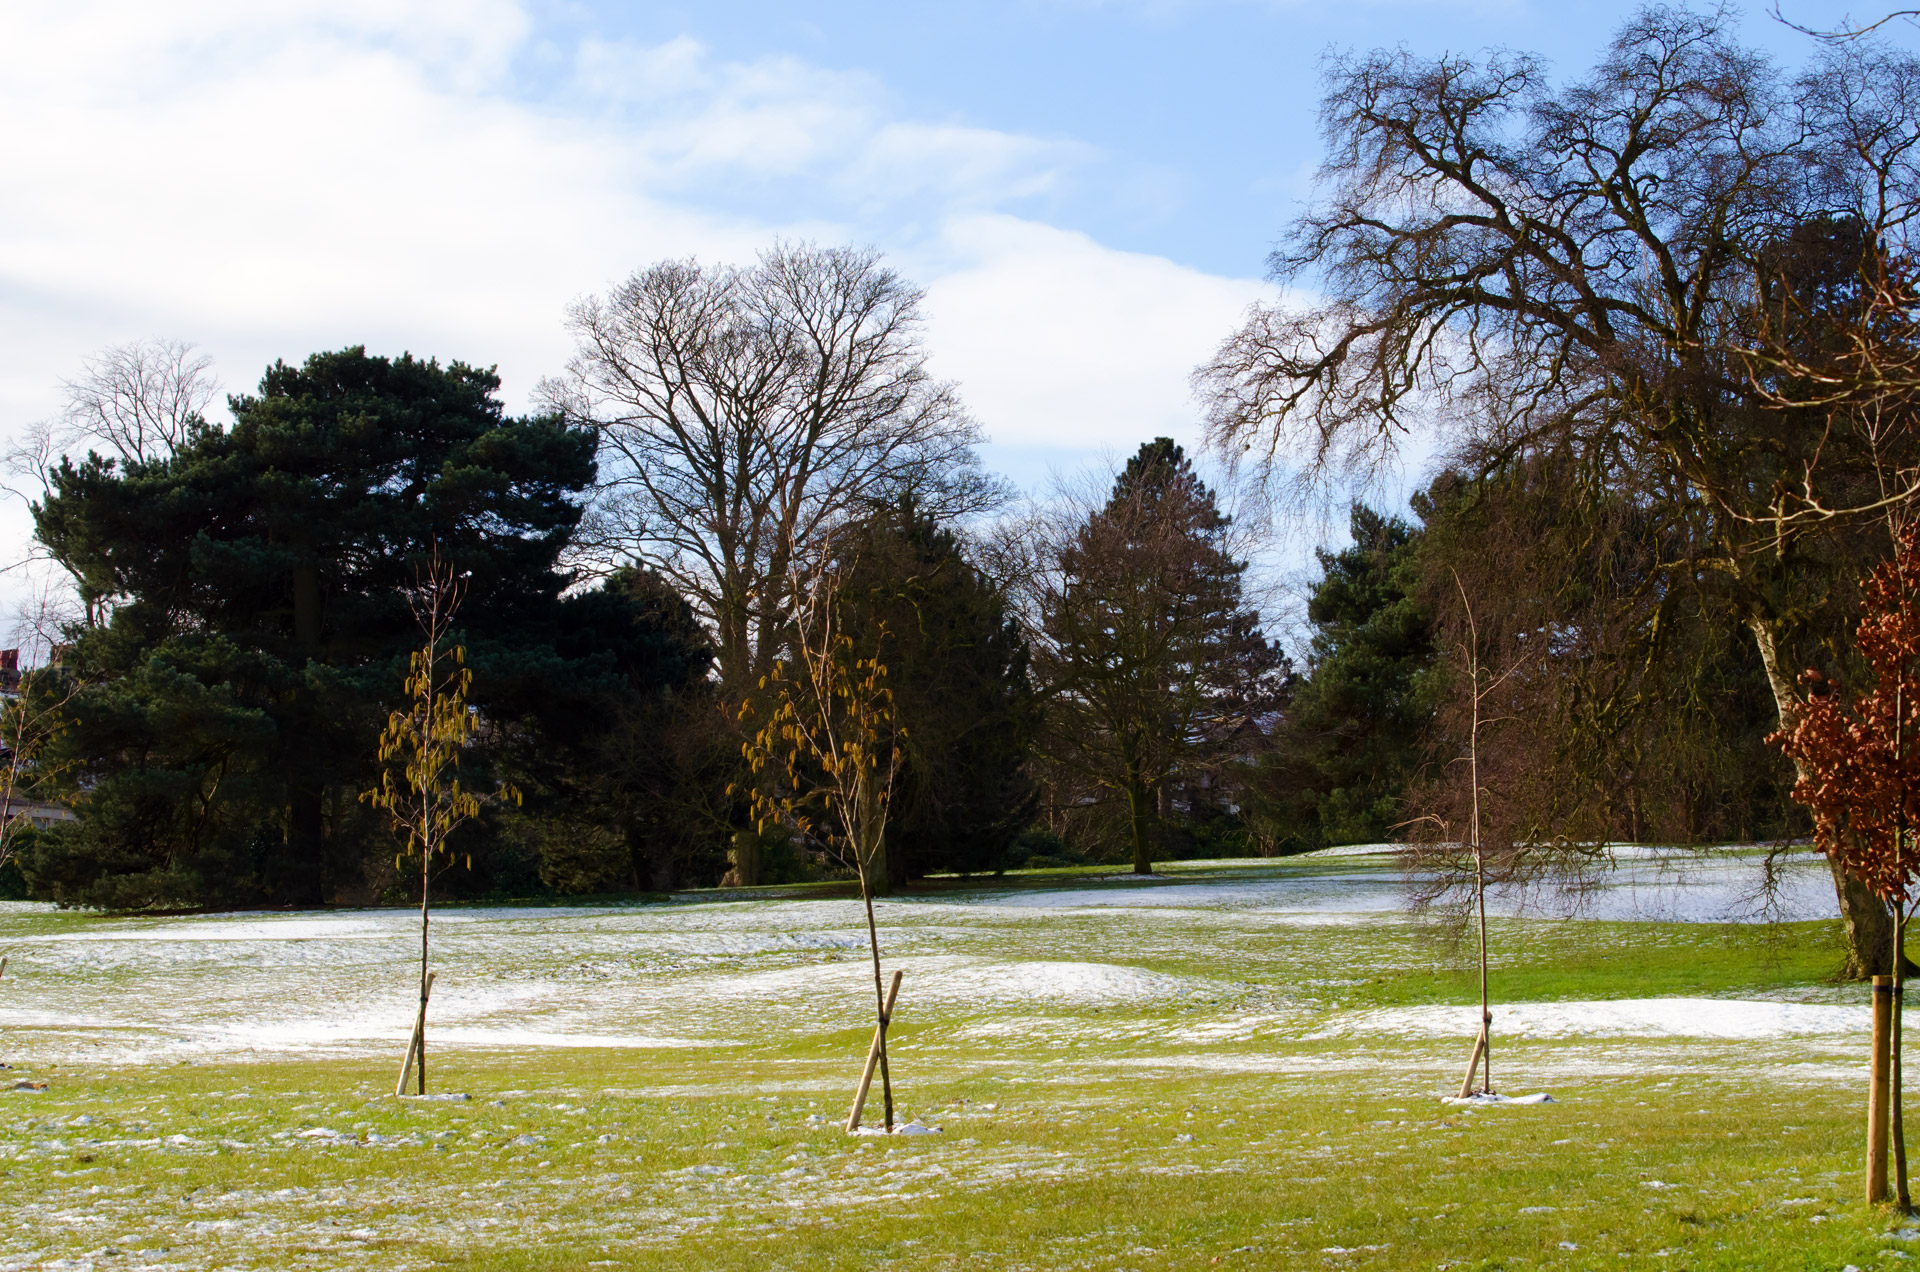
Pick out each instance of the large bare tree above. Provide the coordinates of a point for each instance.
(741, 410)
(134, 402)
(1601, 267)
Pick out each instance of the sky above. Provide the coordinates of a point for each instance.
(1087, 190)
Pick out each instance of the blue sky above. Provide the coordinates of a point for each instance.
(1087, 190)
(1195, 120)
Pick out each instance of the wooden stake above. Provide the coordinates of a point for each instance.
(414, 1044)
(1473, 1065)
(1879, 1089)
(873, 1058)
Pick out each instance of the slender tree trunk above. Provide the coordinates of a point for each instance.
(1480, 890)
(1868, 922)
(1486, 1009)
(426, 860)
(865, 860)
(426, 857)
(1901, 910)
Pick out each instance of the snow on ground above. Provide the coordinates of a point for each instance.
(1310, 896)
(1643, 1017)
(714, 970)
(1686, 887)
(1638, 884)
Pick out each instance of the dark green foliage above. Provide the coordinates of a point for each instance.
(178, 750)
(1039, 849)
(644, 757)
(963, 700)
(1354, 733)
(256, 627)
(1161, 683)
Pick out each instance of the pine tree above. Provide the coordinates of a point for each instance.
(1158, 671)
(251, 624)
(1351, 739)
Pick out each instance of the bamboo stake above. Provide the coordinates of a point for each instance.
(416, 1045)
(1473, 1065)
(874, 1052)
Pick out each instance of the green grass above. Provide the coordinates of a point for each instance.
(1073, 1174)
(1063, 1120)
(1535, 961)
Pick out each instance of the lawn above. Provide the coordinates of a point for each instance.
(1237, 1066)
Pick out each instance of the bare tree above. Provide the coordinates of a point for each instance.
(743, 409)
(137, 402)
(830, 739)
(143, 400)
(1846, 30)
(1589, 267)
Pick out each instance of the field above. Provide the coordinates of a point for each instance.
(1238, 1064)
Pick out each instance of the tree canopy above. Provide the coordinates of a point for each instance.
(250, 620)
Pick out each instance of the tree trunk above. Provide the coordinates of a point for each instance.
(896, 858)
(746, 859)
(651, 862)
(1869, 925)
(661, 877)
(1139, 818)
(870, 848)
(303, 873)
(306, 609)
(305, 868)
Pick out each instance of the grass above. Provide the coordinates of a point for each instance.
(1282, 1170)
(1547, 961)
(1220, 1126)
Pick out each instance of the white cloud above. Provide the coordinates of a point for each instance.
(691, 117)
(1061, 343)
(271, 179)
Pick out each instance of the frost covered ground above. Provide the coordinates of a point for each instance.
(1238, 1061)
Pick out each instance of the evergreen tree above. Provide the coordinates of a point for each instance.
(963, 700)
(633, 781)
(1351, 740)
(1158, 671)
(254, 625)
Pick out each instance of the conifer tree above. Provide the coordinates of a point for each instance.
(964, 701)
(1157, 668)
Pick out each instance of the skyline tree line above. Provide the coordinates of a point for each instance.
(224, 689)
